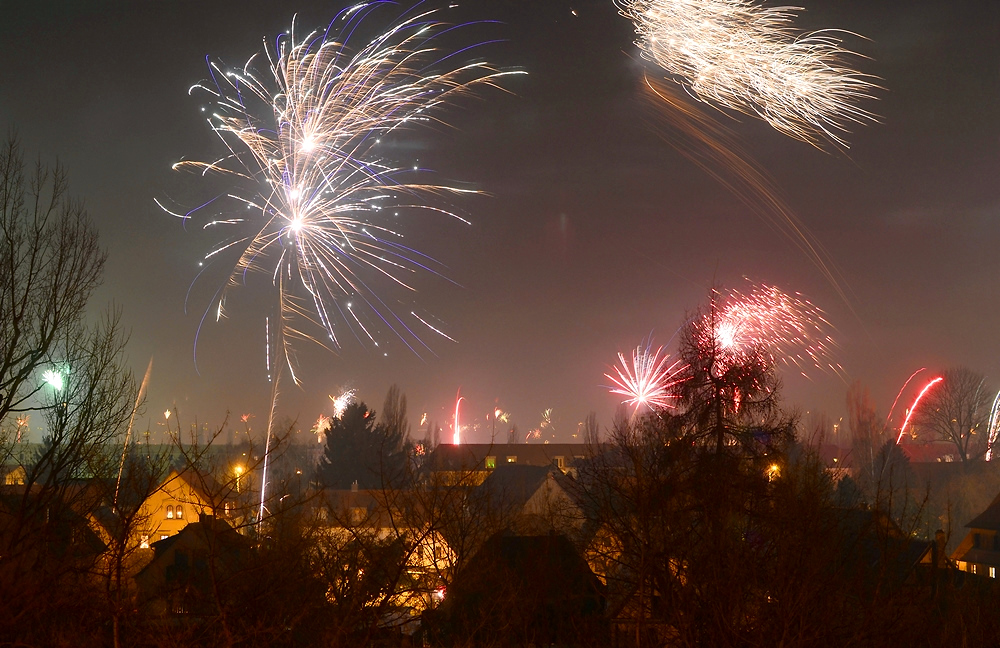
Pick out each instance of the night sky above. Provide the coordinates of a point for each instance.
(594, 234)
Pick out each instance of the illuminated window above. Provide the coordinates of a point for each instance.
(178, 512)
(144, 542)
(972, 567)
(164, 536)
(993, 572)
(512, 459)
(491, 463)
(170, 512)
(560, 462)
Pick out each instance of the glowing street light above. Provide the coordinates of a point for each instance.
(53, 378)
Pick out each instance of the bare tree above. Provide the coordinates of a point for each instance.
(74, 376)
(51, 264)
(394, 414)
(591, 430)
(868, 435)
(957, 411)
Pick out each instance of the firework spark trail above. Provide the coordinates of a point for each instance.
(740, 55)
(765, 324)
(128, 431)
(993, 427)
(913, 407)
(900, 393)
(320, 202)
(646, 381)
(457, 434)
(715, 149)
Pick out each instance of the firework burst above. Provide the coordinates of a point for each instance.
(740, 55)
(341, 402)
(320, 204)
(768, 326)
(648, 380)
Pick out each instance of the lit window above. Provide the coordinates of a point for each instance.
(972, 567)
(144, 542)
(560, 462)
(993, 572)
(511, 459)
(178, 512)
(170, 512)
(164, 536)
(491, 463)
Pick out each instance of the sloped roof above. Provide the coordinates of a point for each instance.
(548, 567)
(988, 519)
(514, 484)
(872, 540)
(981, 557)
(207, 532)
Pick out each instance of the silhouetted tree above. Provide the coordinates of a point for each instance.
(393, 418)
(726, 391)
(957, 411)
(358, 449)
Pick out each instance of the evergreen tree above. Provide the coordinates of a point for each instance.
(360, 450)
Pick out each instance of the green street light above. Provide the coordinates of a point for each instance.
(53, 378)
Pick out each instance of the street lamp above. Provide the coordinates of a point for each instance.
(54, 378)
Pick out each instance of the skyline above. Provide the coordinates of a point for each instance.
(595, 234)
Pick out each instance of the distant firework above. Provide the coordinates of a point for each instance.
(740, 55)
(767, 325)
(341, 402)
(916, 403)
(320, 205)
(322, 426)
(457, 426)
(647, 381)
(993, 427)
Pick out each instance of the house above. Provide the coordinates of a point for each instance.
(874, 548)
(533, 499)
(180, 578)
(979, 551)
(522, 591)
(13, 475)
(182, 496)
(471, 463)
(364, 527)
